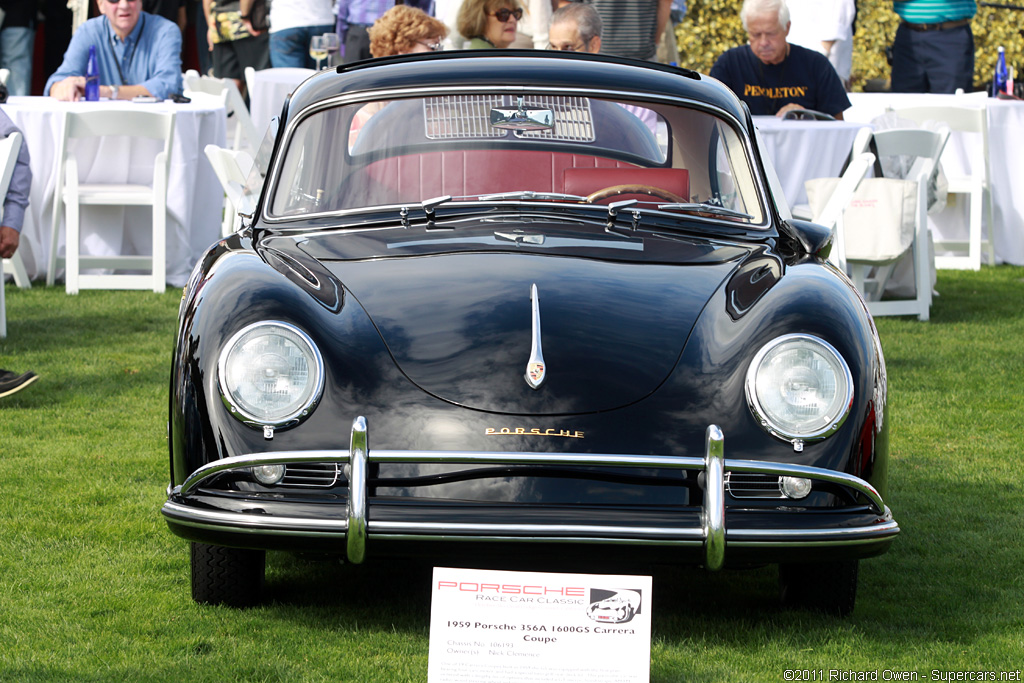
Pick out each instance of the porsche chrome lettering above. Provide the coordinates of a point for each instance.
(534, 431)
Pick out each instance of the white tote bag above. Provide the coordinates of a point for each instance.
(879, 222)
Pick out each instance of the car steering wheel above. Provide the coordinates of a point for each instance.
(616, 190)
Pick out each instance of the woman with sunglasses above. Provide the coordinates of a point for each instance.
(489, 23)
(404, 29)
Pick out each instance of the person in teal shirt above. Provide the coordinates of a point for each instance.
(934, 47)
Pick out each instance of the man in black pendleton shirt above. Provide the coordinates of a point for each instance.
(773, 76)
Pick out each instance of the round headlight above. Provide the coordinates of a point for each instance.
(270, 373)
(799, 387)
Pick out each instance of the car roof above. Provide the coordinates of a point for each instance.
(516, 68)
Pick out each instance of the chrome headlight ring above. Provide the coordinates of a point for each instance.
(270, 373)
(799, 388)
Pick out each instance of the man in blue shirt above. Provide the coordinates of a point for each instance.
(14, 206)
(771, 75)
(16, 202)
(138, 54)
(934, 47)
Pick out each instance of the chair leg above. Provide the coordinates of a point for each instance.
(17, 265)
(71, 249)
(51, 270)
(974, 230)
(159, 247)
(989, 217)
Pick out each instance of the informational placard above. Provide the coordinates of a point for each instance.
(535, 627)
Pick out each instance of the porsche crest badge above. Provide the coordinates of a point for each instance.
(536, 369)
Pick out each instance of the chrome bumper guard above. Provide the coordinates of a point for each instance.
(356, 528)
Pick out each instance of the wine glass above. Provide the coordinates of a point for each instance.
(317, 49)
(333, 44)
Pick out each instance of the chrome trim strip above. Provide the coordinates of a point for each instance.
(757, 536)
(681, 462)
(378, 529)
(252, 459)
(713, 512)
(315, 527)
(355, 542)
(247, 521)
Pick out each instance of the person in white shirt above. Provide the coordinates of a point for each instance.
(825, 26)
(292, 24)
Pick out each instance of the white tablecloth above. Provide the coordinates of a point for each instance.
(801, 150)
(1006, 165)
(194, 196)
(267, 94)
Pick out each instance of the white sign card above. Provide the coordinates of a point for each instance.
(535, 627)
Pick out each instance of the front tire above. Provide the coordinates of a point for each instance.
(829, 587)
(227, 576)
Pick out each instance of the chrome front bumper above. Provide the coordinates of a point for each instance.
(355, 527)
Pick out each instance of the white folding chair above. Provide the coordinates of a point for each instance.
(871, 277)
(973, 184)
(4, 75)
(18, 271)
(9, 148)
(245, 133)
(831, 214)
(250, 80)
(232, 169)
(70, 194)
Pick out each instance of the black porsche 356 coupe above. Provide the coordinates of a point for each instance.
(525, 302)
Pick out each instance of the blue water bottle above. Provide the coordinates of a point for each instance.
(1001, 75)
(92, 77)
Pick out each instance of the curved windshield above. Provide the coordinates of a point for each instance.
(499, 146)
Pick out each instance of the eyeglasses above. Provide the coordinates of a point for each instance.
(433, 47)
(568, 48)
(504, 13)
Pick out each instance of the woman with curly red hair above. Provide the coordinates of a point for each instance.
(403, 30)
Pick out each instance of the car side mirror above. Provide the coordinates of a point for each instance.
(812, 238)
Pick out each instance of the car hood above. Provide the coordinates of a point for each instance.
(460, 326)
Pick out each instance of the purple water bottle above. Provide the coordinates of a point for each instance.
(92, 77)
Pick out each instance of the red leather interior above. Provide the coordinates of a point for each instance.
(584, 181)
(467, 172)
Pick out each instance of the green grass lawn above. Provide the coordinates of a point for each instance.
(94, 588)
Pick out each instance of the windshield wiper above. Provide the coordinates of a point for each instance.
(530, 194)
(704, 207)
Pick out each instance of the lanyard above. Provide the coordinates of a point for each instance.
(135, 48)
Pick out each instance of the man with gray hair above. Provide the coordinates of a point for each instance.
(771, 75)
(576, 27)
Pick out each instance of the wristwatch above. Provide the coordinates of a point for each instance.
(113, 92)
